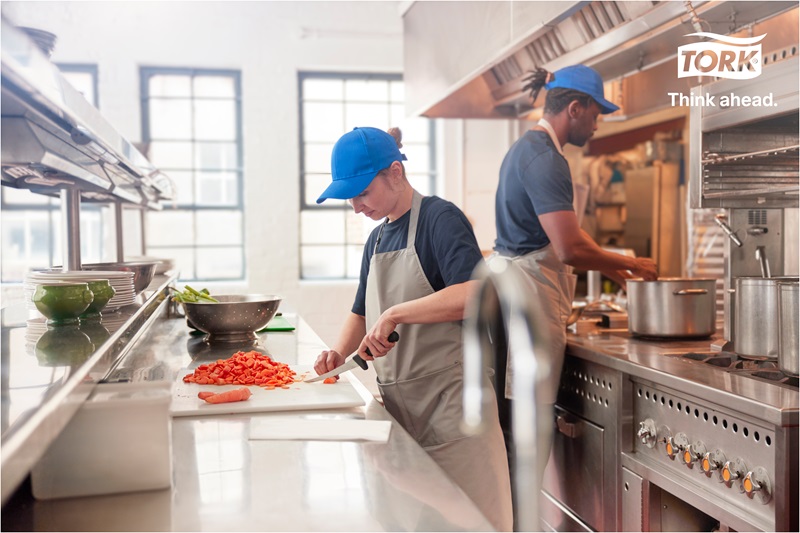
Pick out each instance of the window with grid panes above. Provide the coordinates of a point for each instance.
(332, 236)
(192, 126)
(31, 223)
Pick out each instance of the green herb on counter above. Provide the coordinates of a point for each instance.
(190, 295)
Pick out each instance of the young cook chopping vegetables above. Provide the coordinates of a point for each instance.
(415, 279)
(536, 224)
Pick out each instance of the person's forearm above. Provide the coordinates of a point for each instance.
(350, 336)
(445, 305)
(587, 255)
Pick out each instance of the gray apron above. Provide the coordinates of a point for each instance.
(554, 283)
(421, 383)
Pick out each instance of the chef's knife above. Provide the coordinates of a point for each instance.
(352, 363)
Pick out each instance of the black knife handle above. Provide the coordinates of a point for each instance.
(361, 362)
(393, 337)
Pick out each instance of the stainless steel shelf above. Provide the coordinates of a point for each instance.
(777, 156)
(43, 387)
(54, 139)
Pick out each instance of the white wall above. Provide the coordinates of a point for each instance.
(269, 42)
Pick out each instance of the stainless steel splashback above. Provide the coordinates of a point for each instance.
(52, 138)
(769, 230)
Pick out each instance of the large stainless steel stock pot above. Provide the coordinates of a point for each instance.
(756, 316)
(672, 307)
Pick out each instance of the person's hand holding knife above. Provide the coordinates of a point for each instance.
(376, 342)
(330, 362)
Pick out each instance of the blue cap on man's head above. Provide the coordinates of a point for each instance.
(356, 159)
(584, 79)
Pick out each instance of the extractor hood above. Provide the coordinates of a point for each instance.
(53, 139)
(467, 59)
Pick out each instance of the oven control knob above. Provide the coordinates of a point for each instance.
(647, 432)
(675, 445)
(756, 484)
(733, 471)
(693, 452)
(713, 461)
(670, 447)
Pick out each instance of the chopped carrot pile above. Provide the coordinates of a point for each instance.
(243, 368)
(329, 380)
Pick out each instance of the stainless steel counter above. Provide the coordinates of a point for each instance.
(224, 482)
(659, 361)
(48, 373)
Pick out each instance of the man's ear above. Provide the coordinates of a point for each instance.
(574, 109)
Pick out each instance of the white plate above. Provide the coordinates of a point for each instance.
(93, 274)
(76, 279)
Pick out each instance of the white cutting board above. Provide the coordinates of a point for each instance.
(299, 396)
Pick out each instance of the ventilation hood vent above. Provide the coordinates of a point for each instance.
(472, 67)
(52, 138)
(591, 22)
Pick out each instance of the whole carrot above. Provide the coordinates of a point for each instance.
(237, 395)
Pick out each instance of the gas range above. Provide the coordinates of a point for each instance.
(715, 431)
(713, 453)
(762, 369)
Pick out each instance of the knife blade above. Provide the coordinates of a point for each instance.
(354, 361)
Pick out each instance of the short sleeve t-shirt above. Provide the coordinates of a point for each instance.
(534, 180)
(445, 244)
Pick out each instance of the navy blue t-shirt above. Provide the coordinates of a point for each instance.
(534, 180)
(445, 244)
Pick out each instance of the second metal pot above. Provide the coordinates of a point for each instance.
(672, 307)
(756, 316)
(788, 326)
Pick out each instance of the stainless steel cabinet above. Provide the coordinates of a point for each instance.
(580, 486)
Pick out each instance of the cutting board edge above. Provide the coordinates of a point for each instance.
(247, 410)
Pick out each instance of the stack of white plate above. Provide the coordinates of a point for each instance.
(121, 281)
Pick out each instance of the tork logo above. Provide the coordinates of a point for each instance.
(736, 58)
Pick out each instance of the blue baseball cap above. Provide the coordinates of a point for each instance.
(584, 79)
(356, 159)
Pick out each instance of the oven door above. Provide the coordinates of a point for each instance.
(573, 478)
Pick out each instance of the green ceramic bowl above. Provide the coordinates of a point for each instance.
(103, 292)
(62, 303)
(63, 346)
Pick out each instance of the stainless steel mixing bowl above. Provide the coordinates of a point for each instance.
(235, 317)
(143, 271)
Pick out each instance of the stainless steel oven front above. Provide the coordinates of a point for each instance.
(698, 466)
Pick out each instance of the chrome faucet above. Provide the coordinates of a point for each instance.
(505, 298)
(720, 220)
(763, 262)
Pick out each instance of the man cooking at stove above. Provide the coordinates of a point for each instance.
(537, 227)
(415, 278)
